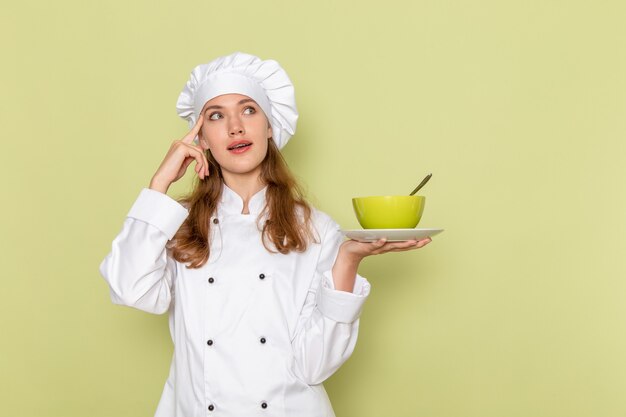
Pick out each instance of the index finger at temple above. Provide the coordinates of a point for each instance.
(189, 137)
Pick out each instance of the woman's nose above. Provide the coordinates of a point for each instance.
(236, 128)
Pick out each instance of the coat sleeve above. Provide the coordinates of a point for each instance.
(328, 325)
(138, 269)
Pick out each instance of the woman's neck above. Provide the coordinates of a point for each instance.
(245, 186)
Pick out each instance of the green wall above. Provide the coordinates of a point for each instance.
(516, 107)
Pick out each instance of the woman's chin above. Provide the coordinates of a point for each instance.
(241, 169)
(241, 164)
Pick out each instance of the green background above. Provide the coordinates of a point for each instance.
(516, 107)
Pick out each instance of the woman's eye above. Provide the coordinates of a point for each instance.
(249, 110)
(215, 116)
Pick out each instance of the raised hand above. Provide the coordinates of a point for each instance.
(181, 153)
(352, 252)
(363, 249)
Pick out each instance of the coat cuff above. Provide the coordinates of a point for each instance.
(342, 306)
(159, 210)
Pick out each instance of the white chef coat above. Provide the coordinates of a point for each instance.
(255, 333)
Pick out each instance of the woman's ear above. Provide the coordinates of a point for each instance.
(269, 131)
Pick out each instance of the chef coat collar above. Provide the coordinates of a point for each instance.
(232, 203)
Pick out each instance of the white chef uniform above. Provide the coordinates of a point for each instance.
(255, 333)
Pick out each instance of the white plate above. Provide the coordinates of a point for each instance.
(392, 235)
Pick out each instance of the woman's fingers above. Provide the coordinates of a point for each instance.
(379, 243)
(192, 152)
(184, 166)
(202, 164)
(382, 246)
(181, 153)
(415, 245)
(191, 135)
(424, 242)
(206, 161)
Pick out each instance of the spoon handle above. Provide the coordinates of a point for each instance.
(424, 181)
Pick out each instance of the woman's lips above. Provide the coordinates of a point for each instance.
(241, 149)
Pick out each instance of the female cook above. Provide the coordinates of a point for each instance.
(262, 290)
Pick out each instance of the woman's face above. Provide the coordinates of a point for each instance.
(236, 131)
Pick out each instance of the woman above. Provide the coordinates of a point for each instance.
(262, 290)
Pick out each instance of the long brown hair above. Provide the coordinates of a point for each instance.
(288, 226)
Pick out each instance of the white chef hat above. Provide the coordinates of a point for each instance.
(239, 73)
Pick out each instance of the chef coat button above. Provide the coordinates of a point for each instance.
(211, 407)
(216, 221)
(209, 342)
(263, 404)
(211, 280)
(263, 340)
(262, 276)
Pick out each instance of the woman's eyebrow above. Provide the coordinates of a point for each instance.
(215, 106)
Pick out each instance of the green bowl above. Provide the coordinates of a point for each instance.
(389, 212)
